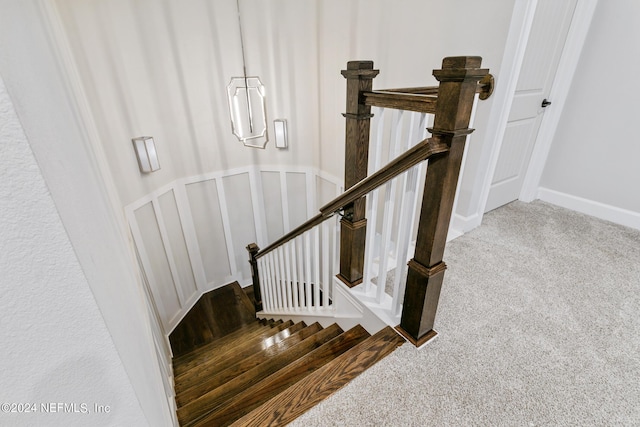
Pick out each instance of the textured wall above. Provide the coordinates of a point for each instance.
(55, 345)
(32, 70)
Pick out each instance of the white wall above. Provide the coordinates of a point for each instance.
(161, 69)
(62, 304)
(55, 345)
(594, 162)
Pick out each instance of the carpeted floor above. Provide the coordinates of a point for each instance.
(539, 325)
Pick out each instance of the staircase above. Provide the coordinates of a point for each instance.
(267, 373)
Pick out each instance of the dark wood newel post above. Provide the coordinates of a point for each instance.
(257, 294)
(458, 79)
(359, 75)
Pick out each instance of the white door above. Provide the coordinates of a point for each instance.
(544, 47)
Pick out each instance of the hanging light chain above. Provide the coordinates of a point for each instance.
(244, 69)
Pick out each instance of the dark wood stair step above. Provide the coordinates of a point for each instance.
(252, 397)
(195, 409)
(216, 314)
(311, 390)
(225, 349)
(242, 331)
(200, 377)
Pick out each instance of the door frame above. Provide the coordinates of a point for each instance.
(517, 38)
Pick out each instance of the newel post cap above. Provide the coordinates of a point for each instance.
(360, 69)
(460, 68)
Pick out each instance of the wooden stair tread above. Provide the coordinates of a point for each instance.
(214, 372)
(216, 314)
(252, 397)
(195, 409)
(242, 331)
(225, 349)
(221, 358)
(320, 384)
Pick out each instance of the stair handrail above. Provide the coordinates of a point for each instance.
(420, 99)
(484, 89)
(418, 153)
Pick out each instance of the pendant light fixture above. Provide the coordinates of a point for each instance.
(246, 96)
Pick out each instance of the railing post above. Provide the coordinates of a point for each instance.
(257, 293)
(359, 75)
(458, 78)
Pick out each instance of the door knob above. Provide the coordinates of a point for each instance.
(545, 103)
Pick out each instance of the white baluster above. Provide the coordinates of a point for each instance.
(281, 277)
(287, 274)
(326, 268)
(300, 259)
(407, 209)
(389, 208)
(262, 272)
(370, 239)
(264, 287)
(426, 120)
(278, 277)
(383, 250)
(294, 275)
(307, 269)
(336, 243)
(270, 279)
(316, 259)
(375, 144)
(375, 153)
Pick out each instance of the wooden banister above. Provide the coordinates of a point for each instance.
(420, 99)
(405, 161)
(308, 225)
(402, 101)
(420, 152)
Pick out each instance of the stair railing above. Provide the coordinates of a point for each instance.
(288, 271)
(391, 212)
(281, 271)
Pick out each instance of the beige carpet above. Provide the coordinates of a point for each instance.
(539, 324)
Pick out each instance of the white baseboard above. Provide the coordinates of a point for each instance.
(590, 207)
(454, 233)
(462, 224)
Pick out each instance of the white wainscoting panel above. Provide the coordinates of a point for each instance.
(296, 188)
(326, 190)
(273, 204)
(242, 221)
(191, 235)
(155, 262)
(209, 229)
(171, 232)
